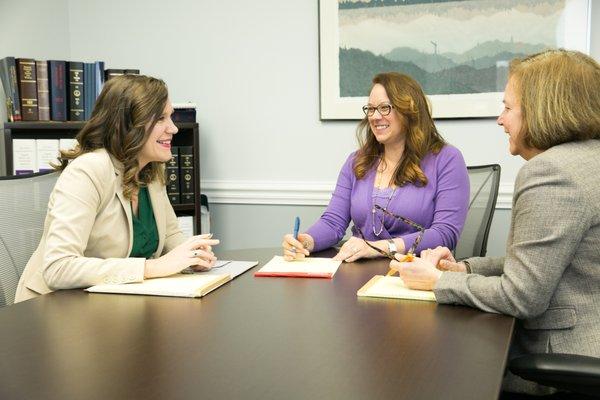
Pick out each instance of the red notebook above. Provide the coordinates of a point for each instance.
(308, 268)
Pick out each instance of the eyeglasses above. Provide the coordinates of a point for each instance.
(377, 249)
(407, 221)
(383, 109)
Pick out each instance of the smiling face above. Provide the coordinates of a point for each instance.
(158, 145)
(388, 129)
(511, 119)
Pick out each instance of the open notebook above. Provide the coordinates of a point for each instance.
(186, 284)
(307, 268)
(180, 285)
(392, 287)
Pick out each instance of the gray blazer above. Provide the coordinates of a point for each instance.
(550, 277)
(88, 231)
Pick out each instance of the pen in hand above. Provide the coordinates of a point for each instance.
(408, 257)
(296, 230)
(296, 227)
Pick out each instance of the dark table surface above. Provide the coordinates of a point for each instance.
(253, 338)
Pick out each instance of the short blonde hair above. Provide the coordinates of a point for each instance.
(559, 93)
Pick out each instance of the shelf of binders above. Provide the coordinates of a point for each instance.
(186, 141)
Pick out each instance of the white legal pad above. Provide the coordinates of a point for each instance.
(309, 267)
(392, 287)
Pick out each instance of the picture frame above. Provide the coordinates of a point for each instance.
(572, 32)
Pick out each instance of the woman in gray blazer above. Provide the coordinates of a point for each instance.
(109, 218)
(550, 276)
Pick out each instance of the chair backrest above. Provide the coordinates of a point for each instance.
(485, 180)
(23, 207)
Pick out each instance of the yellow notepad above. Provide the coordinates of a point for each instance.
(392, 287)
(180, 285)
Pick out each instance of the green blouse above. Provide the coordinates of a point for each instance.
(145, 233)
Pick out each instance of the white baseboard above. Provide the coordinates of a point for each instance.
(295, 193)
(505, 195)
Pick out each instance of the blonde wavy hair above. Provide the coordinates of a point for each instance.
(559, 93)
(124, 115)
(411, 105)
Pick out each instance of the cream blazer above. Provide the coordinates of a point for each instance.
(88, 231)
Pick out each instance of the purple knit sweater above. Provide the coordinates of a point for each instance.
(440, 206)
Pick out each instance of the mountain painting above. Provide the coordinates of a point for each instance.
(448, 46)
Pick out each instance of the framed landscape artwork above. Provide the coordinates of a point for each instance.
(458, 50)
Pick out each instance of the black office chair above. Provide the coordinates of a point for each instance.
(23, 207)
(567, 372)
(485, 180)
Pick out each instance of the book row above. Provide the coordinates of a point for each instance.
(53, 90)
(180, 175)
(38, 155)
(35, 155)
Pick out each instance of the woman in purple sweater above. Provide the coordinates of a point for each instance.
(403, 166)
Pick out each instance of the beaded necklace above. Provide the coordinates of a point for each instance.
(389, 199)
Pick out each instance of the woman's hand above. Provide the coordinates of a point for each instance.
(418, 274)
(443, 259)
(355, 249)
(196, 252)
(297, 249)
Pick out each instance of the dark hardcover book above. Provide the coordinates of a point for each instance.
(112, 72)
(172, 178)
(186, 174)
(184, 115)
(57, 72)
(27, 76)
(42, 90)
(76, 91)
(99, 74)
(89, 92)
(8, 75)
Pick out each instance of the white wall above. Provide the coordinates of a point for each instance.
(36, 29)
(252, 69)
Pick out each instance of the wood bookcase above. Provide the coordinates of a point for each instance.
(188, 135)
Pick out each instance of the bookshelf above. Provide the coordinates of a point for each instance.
(188, 135)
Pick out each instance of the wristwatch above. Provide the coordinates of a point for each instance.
(392, 249)
(467, 266)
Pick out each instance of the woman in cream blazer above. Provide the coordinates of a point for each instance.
(550, 276)
(88, 232)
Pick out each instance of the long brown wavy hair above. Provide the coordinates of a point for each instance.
(410, 104)
(124, 115)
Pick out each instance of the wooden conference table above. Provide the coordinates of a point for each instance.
(253, 338)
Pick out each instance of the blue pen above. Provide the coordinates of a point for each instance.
(296, 227)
